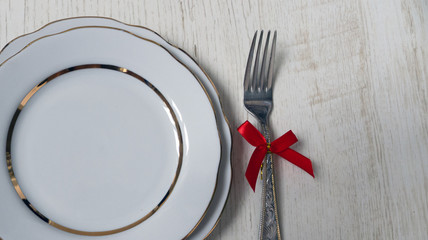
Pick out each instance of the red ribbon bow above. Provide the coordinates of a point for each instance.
(280, 146)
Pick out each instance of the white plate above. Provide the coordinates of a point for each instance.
(225, 174)
(49, 114)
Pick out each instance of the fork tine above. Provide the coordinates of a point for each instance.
(271, 62)
(247, 77)
(263, 75)
(256, 80)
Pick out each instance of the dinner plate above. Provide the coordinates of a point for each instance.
(224, 179)
(62, 155)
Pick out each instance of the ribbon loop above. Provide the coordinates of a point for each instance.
(284, 142)
(251, 134)
(280, 147)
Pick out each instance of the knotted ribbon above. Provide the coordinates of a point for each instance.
(280, 146)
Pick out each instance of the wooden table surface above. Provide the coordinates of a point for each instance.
(351, 82)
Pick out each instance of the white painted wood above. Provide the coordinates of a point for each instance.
(351, 82)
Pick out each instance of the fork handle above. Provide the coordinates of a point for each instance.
(269, 225)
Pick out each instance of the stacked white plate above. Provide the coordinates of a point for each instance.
(109, 131)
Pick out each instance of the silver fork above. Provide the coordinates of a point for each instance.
(258, 102)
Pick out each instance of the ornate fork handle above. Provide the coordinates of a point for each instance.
(269, 226)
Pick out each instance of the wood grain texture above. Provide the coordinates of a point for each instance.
(351, 81)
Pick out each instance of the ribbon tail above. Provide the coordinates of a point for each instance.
(253, 168)
(298, 160)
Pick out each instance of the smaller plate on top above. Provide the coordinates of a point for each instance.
(80, 160)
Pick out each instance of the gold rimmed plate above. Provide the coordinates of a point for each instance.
(43, 125)
(213, 213)
(67, 134)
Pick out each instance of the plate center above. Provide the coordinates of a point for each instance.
(96, 150)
